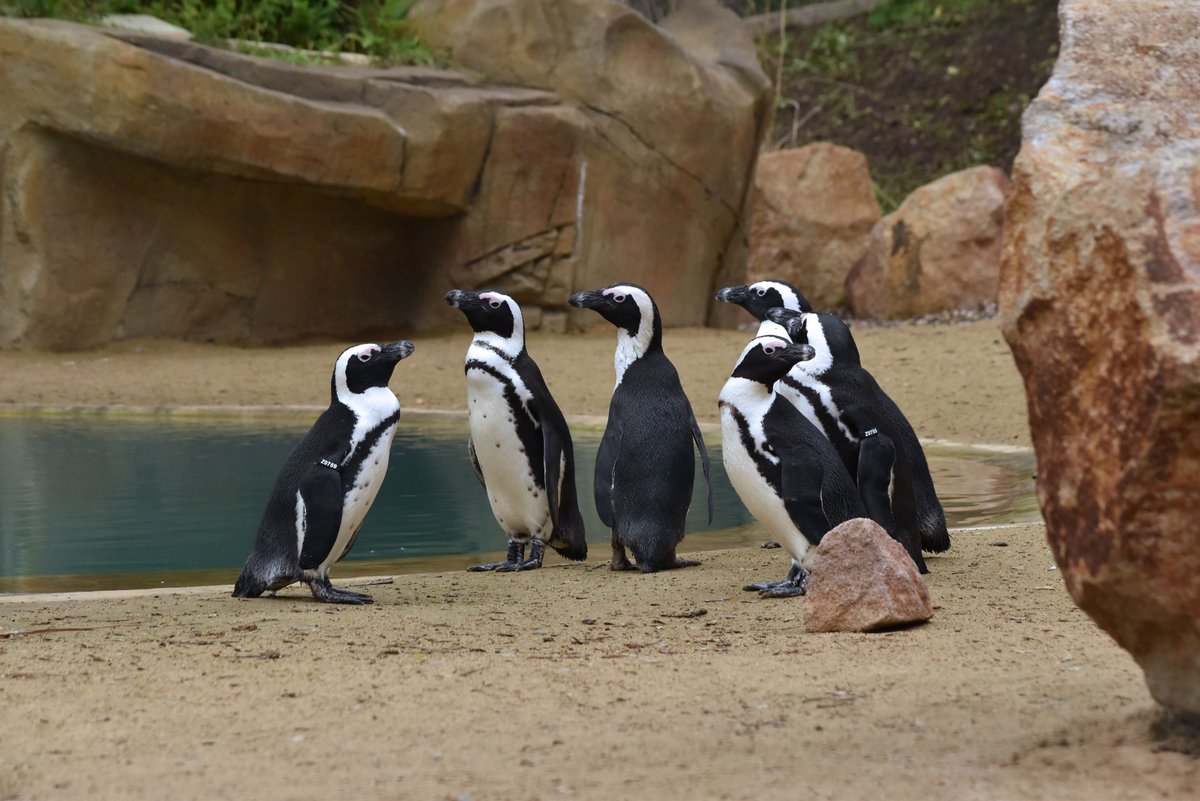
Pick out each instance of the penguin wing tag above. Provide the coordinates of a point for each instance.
(321, 492)
(876, 457)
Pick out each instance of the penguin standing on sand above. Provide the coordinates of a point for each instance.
(783, 468)
(520, 445)
(841, 398)
(329, 481)
(645, 468)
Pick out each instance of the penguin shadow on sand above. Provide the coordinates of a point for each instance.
(644, 468)
(520, 445)
(329, 481)
(843, 400)
(784, 469)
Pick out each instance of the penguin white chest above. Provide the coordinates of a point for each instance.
(758, 495)
(361, 495)
(519, 505)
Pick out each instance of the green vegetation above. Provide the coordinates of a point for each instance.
(377, 28)
(922, 87)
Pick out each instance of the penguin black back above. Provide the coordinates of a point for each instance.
(645, 469)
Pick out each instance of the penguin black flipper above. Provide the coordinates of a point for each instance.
(915, 499)
(606, 464)
(699, 439)
(475, 462)
(321, 492)
(876, 457)
(802, 484)
(569, 537)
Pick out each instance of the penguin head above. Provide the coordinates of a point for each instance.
(364, 367)
(829, 337)
(769, 357)
(758, 298)
(489, 312)
(627, 306)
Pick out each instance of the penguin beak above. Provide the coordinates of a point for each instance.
(461, 299)
(734, 294)
(792, 321)
(588, 300)
(794, 354)
(395, 351)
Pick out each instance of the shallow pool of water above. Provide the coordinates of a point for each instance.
(100, 503)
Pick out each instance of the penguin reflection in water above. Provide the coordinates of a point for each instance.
(840, 397)
(520, 445)
(329, 481)
(783, 468)
(644, 468)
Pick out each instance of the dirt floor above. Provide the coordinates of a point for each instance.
(573, 681)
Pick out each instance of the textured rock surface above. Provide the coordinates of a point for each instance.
(159, 188)
(939, 251)
(863, 580)
(1101, 305)
(676, 108)
(813, 208)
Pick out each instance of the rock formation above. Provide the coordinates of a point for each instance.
(863, 580)
(812, 210)
(1100, 299)
(939, 251)
(154, 187)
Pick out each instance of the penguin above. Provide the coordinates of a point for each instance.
(644, 468)
(784, 469)
(520, 445)
(329, 481)
(846, 400)
(758, 298)
(834, 389)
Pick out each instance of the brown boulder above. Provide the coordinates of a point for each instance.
(938, 252)
(154, 187)
(1100, 299)
(812, 211)
(863, 580)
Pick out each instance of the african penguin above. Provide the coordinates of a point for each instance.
(520, 445)
(645, 468)
(844, 399)
(783, 468)
(329, 481)
(758, 298)
(916, 509)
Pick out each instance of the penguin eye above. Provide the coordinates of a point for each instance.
(761, 291)
(365, 356)
(619, 298)
(768, 349)
(495, 304)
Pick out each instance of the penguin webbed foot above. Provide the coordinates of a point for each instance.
(620, 560)
(326, 593)
(514, 561)
(537, 553)
(795, 584)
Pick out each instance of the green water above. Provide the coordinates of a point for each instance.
(98, 503)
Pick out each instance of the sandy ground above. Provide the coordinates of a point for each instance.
(573, 681)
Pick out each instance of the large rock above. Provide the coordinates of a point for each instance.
(153, 187)
(1100, 300)
(938, 252)
(813, 209)
(863, 580)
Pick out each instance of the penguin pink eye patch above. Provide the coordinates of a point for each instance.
(365, 355)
